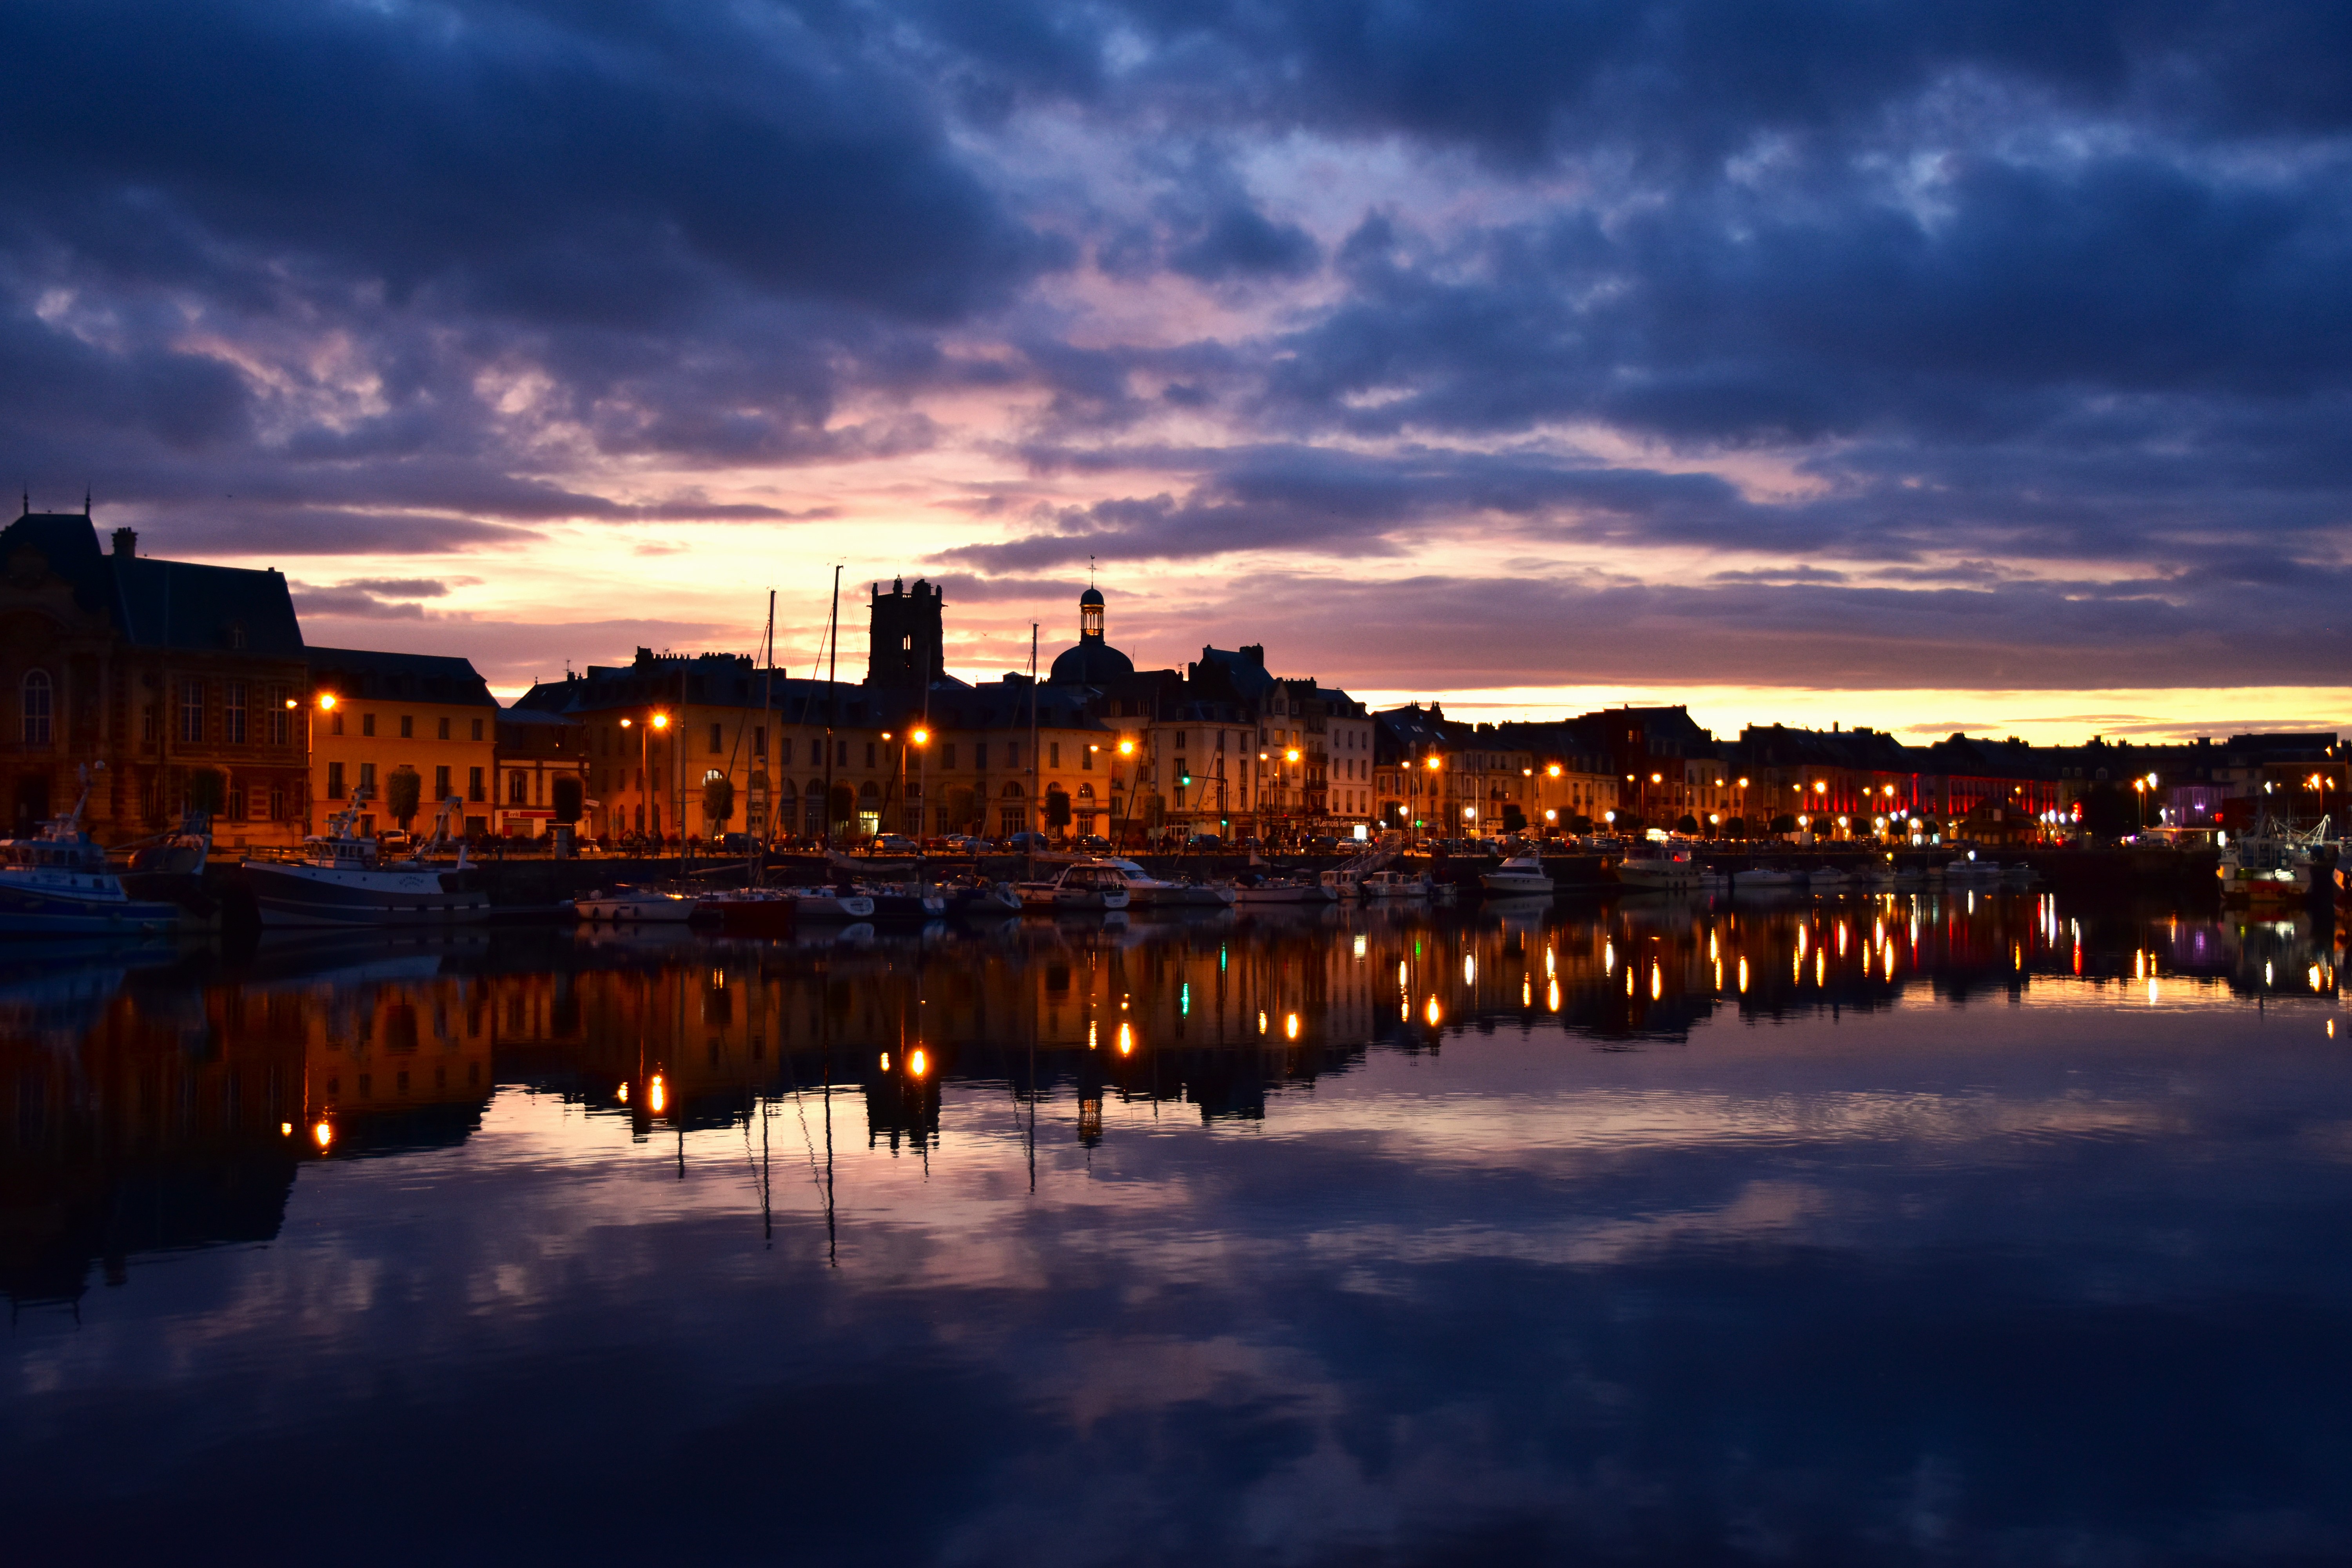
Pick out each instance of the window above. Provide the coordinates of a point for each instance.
(367, 723)
(869, 754)
(37, 708)
(473, 783)
(277, 802)
(367, 779)
(233, 712)
(477, 729)
(947, 755)
(147, 722)
(717, 745)
(408, 726)
(519, 789)
(281, 717)
(1087, 759)
(841, 761)
(785, 752)
(441, 780)
(759, 741)
(335, 724)
(191, 712)
(980, 755)
(1053, 754)
(441, 728)
(1012, 756)
(334, 781)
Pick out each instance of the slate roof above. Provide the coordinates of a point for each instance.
(367, 676)
(164, 604)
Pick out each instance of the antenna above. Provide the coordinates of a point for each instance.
(85, 497)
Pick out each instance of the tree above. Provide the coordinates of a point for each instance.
(403, 789)
(841, 805)
(1629, 822)
(963, 808)
(1687, 825)
(206, 789)
(718, 798)
(1057, 807)
(1580, 825)
(2108, 811)
(1784, 822)
(1736, 827)
(568, 798)
(1514, 819)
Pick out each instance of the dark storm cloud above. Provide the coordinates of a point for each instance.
(2029, 286)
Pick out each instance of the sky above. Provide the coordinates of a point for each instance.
(1928, 366)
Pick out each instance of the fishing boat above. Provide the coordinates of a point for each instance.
(1519, 876)
(58, 883)
(341, 880)
(1378, 885)
(2270, 866)
(1659, 867)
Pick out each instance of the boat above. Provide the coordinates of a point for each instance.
(627, 905)
(1378, 885)
(1146, 891)
(1085, 887)
(2018, 876)
(1281, 891)
(1760, 878)
(821, 904)
(2271, 865)
(748, 912)
(1826, 879)
(58, 883)
(341, 880)
(978, 896)
(1968, 869)
(1342, 886)
(1519, 875)
(1659, 867)
(905, 901)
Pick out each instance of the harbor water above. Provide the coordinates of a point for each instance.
(1949, 1228)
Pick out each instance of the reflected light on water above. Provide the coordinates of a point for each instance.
(324, 1133)
(657, 1095)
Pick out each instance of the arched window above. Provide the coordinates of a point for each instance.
(1086, 791)
(1013, 792)
(36, 709)
(867, 792)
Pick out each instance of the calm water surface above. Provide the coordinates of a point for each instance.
(1944, 1230)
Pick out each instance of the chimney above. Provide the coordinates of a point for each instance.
(126, 542)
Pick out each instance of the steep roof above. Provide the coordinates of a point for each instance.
(163, 604)
(371, 676)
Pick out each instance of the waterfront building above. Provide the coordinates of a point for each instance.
(372, 716)
(179, 685)
(542, 772)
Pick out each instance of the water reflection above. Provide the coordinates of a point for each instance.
(1334, 1194)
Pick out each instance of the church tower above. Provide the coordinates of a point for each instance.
(903, 637)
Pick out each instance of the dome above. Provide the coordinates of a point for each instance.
(1091, 596)
(1091, 663)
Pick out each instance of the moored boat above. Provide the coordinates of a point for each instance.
(626, 905)
(1519, 875)
(341, 880)
(1659, 867)
(58, 883)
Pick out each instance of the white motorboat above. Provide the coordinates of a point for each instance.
(1380, 885)
(1659, 867)
(58, 883)
(1826, 879)
(1342, 886)
(1968, 869)
(1760, 877)
(343, 880)
(829, 904)
(1146, 891)
(1087, 888)
(1519, 875)
(636, 906)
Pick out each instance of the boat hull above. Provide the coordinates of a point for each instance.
(31, 911)
(335, 895)
(1515, 885)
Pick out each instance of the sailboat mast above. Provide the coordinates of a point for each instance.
(755, 842)
(1035, 821)
(831, 699)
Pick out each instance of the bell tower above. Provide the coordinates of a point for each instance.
(903, 637)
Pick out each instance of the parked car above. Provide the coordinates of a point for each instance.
(1095, 844)
(961, 844)
(890, 844)
(1023, 842)
(1204, 841)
